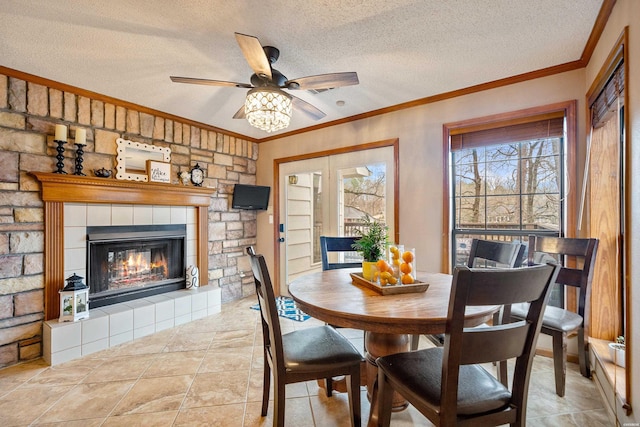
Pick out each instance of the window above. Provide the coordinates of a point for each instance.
(506, 180)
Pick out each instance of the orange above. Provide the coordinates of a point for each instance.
(382, 265)
(407, 279)
(407, 256)
(385, 278)
(392, 280)
(405, 268)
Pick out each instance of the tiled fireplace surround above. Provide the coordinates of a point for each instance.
(115, 324)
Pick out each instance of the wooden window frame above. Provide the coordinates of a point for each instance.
(568, 109)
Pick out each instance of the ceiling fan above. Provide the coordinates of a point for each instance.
(267, 106)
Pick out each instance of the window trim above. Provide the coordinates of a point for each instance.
(568, 109)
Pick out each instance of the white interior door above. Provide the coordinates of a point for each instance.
(317, 197)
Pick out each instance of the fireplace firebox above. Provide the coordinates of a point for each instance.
(131, 262)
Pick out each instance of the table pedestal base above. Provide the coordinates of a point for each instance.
(379, 344)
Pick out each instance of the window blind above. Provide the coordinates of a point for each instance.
(606, 103)
(552, 125)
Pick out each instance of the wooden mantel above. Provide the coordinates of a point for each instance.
(58, 189)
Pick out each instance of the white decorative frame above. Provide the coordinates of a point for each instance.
(132, 159)
(159, 171)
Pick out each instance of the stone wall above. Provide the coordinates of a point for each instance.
(28, 114)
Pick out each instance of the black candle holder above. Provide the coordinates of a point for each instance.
(79, 159)
(60, 156)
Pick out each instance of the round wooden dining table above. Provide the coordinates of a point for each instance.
(388, 320)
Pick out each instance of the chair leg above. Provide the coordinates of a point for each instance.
(583, 354)
(560, 361)
(266, 385)
(384, 400)
(373, 408)
(415, 340)
(328, 384)
(353, 391)
(279, 402)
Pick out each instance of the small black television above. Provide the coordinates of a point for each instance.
(250, 197)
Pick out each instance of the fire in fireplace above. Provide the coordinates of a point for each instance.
(130, 262)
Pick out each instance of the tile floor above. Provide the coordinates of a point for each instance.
(209, 373)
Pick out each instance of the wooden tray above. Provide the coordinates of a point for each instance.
(389, 289)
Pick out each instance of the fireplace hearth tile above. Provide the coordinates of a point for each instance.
(144, 313)
(120, 318)
(75, 259)
(96, 327)
(75, 214)
(178, 214)
(121, 214)
(165, 324)
(65, 335)
(199, 314)
(182, 301)
(164, 307)
(144, 331)
(75, 237)
(98, 215)
(161, 215)
(120, 338)
(165, 310)
(198, 302)
(61, 341)
(95, 346)
(142, 214)
(182, 320)
(72, 340)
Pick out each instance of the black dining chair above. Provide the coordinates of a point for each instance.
(485, 254)
(336, 245)
(495, 254)
(558, 322)
(448, 384)
(302, 355)
(343, 245)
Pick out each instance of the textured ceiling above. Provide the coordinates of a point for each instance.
(402, 50)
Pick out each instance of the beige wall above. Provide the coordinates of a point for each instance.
(419, 131)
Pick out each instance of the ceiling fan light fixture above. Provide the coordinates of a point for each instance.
(268, 108)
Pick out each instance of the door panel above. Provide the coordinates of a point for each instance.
(312, 203)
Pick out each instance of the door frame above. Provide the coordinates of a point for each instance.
(394, 142)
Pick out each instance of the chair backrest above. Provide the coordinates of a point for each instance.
(337, 244)
(271, 332)
(490, 253)
(494, 343)
(541, 248)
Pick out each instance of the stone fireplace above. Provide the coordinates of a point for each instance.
(119, 220)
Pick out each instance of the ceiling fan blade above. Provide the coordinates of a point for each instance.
(323, 81)
(307, 108)
(240, 113)
(195, 81)
(254, 54)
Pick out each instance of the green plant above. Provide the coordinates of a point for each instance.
(372, 241)
(620, 340)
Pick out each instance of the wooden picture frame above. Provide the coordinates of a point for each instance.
(158, 171)
(132, 159)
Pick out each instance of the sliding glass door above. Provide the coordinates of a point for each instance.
(329, 195)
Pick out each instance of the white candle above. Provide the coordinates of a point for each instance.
(61, 133)
(81, 136)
